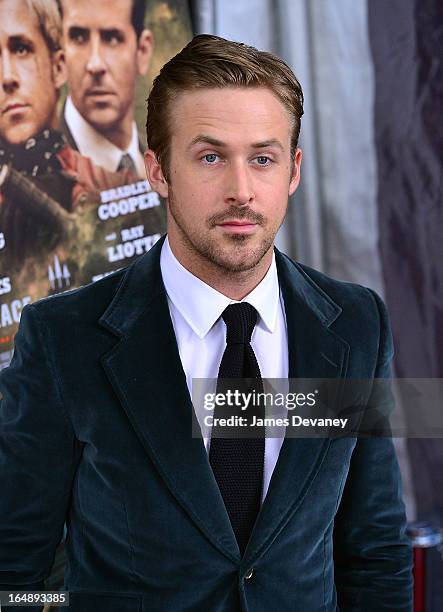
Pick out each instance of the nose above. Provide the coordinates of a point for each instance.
(9, 76)
(96, 64)
(239, 190)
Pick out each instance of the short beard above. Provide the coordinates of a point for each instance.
(209, 251)
(215, 256)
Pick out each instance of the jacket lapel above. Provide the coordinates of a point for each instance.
(145, 371)
(314, 351)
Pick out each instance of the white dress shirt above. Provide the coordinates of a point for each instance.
(196, 310)
(102, 151)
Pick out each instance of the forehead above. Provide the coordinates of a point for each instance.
(16, 19)
(237, 115)
(103, 14)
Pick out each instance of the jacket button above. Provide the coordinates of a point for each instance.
(249, 573)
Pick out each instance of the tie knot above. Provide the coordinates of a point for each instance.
(240, 321)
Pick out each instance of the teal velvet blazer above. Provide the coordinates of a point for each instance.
(96, 432)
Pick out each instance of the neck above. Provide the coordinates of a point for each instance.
(233, 284)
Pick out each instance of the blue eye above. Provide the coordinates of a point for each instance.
(262, 160)
(210, 158)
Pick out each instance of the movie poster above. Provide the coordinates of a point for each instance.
(75, 204)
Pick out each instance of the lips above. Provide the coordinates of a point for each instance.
(238, 223)
(98, 92)
(14, 106)
(238, 227)
(241, 220)
(232, 224)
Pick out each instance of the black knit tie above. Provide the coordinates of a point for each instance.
(237, 463)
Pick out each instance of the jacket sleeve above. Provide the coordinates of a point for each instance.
(372, 553)
(38, 455)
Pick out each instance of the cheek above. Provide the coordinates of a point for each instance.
(76, 70)
(122, 68)
(76, 66)
(41, 66)
(44, 102)
(40, 79)
(122, 79)
(275, 192)
(46, 107)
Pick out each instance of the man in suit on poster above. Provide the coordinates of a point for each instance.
(97, 429)
(35, 160)
(106, 49)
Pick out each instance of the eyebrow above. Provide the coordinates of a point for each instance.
(203, 139)
(111, 32)
(21, 39)
(264, 144)
(75, 29)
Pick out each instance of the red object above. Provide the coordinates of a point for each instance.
(419, 579)
(423, 535)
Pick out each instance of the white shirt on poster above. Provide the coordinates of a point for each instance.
(99, 149)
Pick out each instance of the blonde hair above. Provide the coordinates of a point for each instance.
(49, 21)
(214, 62)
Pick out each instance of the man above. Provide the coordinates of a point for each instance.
(49, 194)
(32, 73)
(106, 48)
(158, 519)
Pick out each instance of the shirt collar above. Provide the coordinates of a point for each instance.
(92, 144)
(201, 305)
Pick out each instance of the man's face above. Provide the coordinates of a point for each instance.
(230, 176)
(103, 58)
(30, 76)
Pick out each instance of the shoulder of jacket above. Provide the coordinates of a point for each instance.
(86, 302)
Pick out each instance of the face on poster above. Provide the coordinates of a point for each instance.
(105, 54)
(75, 204)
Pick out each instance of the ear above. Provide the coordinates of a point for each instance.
(155, 174)
(59, 73)
(145, 46)
(295, 173)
